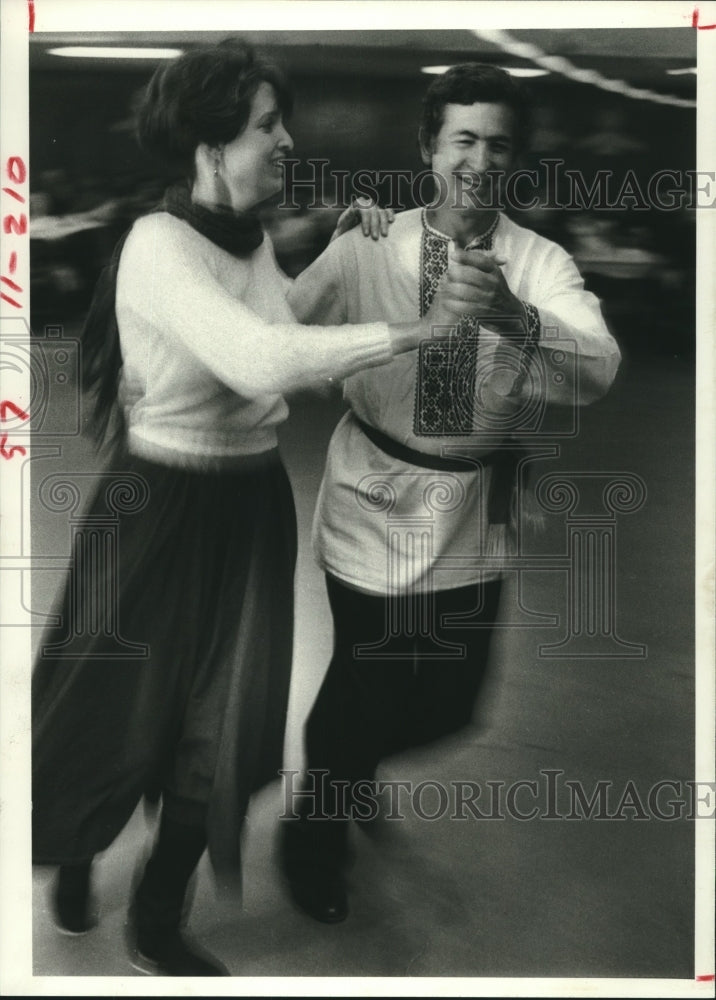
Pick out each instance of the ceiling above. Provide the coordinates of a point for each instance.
(641, 57)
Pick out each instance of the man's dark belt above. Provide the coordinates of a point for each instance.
(502, 462)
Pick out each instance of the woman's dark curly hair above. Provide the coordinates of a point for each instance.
(472, 83)
(204, 95)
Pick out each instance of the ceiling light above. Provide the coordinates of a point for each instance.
(681, 72)
(524, 71)
(98, 52)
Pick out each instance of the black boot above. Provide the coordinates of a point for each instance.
(72, 905)
(156, 914)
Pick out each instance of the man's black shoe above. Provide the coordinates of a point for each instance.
(321, 894)
(313, 864)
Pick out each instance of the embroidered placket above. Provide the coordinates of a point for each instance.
(447, 368)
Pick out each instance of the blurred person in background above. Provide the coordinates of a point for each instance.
(189, 347)
(392, 682)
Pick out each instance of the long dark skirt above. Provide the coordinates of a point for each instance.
(169, 669)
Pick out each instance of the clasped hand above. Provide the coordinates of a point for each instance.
(473, 285)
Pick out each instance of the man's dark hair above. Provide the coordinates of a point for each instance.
(204, 95)
(471, 83)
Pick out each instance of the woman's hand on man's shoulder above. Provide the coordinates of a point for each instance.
(373, 220)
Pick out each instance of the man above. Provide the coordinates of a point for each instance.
(417, 505)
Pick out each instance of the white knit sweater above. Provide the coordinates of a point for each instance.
(210, 346)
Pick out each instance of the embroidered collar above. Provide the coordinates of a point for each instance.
(481, 242)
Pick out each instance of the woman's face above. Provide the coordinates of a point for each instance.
(250, 166)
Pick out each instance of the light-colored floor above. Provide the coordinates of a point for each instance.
(483, 897)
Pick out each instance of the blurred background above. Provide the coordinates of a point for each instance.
(358, 100)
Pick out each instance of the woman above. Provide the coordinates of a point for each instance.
(198, 345)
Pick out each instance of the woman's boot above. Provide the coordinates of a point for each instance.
(156, 914)
(72, 905)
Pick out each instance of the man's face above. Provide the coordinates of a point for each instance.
(473, 139)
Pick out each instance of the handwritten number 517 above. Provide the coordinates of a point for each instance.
(5, 406)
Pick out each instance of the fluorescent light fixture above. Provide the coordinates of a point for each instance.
(524, 71)
(115, 52)
(681, 72)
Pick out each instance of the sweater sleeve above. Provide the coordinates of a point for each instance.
(166, 284)
(318, 294)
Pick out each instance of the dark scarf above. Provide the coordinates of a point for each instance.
(238, 233)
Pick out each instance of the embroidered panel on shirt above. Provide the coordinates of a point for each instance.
(447, 367)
